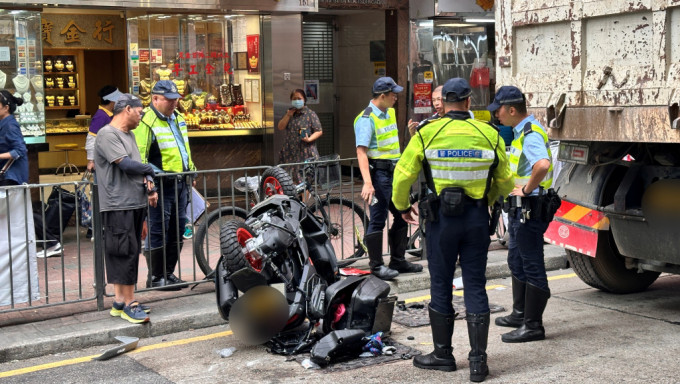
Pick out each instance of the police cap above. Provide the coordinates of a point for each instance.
(507, 94)
(455, 90)
(386, 84)
(166, 88)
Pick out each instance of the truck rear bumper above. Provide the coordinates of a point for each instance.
(576, 227)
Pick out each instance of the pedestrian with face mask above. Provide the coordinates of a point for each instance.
(302, 128)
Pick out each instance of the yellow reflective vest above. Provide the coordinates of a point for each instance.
(460, 154)
(516, 153)
(153, 128)
(386, 134)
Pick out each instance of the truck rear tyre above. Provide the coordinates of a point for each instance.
(607, 271)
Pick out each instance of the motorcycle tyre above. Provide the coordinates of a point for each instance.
(232, 249)
(276, 180)
(217, 219)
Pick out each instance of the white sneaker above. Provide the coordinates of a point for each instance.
(54, 250)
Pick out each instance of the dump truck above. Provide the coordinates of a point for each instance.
(603, 76)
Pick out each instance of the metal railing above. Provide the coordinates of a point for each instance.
(51, 261)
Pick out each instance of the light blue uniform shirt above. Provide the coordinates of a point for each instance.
(533, 148)
(364, 131)
(180, 141)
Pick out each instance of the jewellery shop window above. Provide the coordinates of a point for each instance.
(214, 61)
(21, 69)
(452, 48)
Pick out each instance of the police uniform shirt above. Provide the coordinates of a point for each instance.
(410, 163)
(364, 131)
(533, 148)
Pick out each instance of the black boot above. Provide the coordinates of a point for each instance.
(171, 256)
(157, 278)
(373, 242)
(532, 329)
(154, 264)
(516, 318)
(398, 240)
(478, 332)
(441, 358)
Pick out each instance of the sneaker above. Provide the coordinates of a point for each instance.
(54, 250)
(188, 232)
(134, 313)
(117, 309)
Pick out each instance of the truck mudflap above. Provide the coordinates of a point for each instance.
(576, 227)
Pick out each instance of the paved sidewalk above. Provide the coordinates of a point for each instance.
(80, 325)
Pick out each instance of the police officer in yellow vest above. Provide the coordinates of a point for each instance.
(377, 143)
(464, 161)
(163, 142)
(530, 161)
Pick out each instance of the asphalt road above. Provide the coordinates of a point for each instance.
(592, 337)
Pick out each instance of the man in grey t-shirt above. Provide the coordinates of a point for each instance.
(125, 186)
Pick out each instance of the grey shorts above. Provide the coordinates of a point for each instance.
(122, 244)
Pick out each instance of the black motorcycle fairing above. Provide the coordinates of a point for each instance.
(338, 295)
(338, 344)
(320, 249)
(293, 207)
(246, 278)
(365, 299)
(225, 290)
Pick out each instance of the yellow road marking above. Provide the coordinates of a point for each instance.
(565, 276)
(77, 360)
(167, 344)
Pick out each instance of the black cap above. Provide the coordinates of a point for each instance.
(507, 94)
(456, 89)
(124, 100)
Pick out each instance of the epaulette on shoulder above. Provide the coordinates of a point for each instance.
(425, 122)
(367, 112)
(527, 128)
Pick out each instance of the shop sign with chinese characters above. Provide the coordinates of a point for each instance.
(83, 31)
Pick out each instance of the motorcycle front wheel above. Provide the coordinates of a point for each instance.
(233, 237)
(207, 243)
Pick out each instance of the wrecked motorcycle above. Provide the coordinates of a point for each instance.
(283, 244)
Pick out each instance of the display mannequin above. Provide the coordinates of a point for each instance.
(37, 82)
(21, 83)
(163, 72)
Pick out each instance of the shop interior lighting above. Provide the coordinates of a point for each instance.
(480, 20)
(454, 25)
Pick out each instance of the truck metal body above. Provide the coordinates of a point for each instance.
(604, 77)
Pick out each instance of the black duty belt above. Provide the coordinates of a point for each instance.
(382, 164)
(475, 202)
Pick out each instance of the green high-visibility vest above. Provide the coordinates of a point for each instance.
(516, 153)
(150, 126)
(386, 134)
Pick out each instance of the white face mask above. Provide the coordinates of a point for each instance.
(297, 104)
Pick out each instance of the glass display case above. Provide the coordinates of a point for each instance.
(67, 125)
(214, 62)
(21, 70)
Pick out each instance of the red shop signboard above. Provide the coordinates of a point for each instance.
(253, 43)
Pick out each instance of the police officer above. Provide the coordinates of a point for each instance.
(465, 163)
(530, 163)
(377, 142)
(164, 143)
